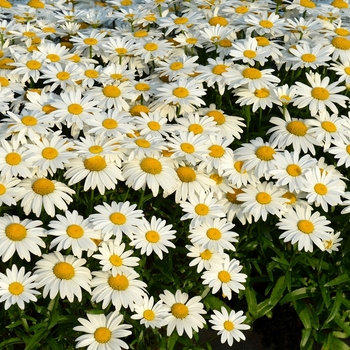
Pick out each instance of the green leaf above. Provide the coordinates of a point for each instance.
(53, 318)
(251, 300)
(338, 280)
(264, 308)
(305, 339)
(214, 303)
(278, 290)
(36, 338)
(53, 344)
(343, 325)
(11, 341)
(303, 313)
(14, 324)
(172, 340)
(324, 291)
(335, 343)
(297, 294)
(337, 302)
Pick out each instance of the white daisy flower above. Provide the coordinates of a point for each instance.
(331, 245)
(63, 275)
(16, 287)
(265, 23)
(193, 122)
(183, 314)
(89, 44)
(229, 325)
(342, 70)
(341, 151)
(151, 50)
(152, 123)
(305, 228)
(225, 276)
(9, 190)
(103, 332)
(153, 236)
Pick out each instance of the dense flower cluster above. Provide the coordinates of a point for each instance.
(95, 97)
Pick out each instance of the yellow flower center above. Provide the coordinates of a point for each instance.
(217, 178)
(151, 166)
(186, 174)
(53, 57)
(5, 4)
(180, 20)
(152, 236)
(214, 234)
(265, 153)
(307, 3)
(216, 151)
(33, 64)
(305, 226)
(187, 147)
(218, 117)
(63, 75)
(47, 109)
(116, 260)
(320, 189)
(291, 197)
(342, 32)
(251, 73)
(249, 53)
(181, 92)
(137, 109)
(297, 128)
(29, 120)
(176, 66)
(143, 143)
(43, 187)
(121, 51)
(222, 21)
(241, 10)
(49, 30)
(266, 23)
(285, 99)
(341, 43)
(142, 87)
(90, 41)
(13, 158)
(91, 73)
(195, 128)
(75, 109)
(228, 325)
(293, 170)
(341, 4)
(102, 335)
(149, 315)
(96, 149)
(154, 126)
(224, 276)
(348, 149)
(219, 69)
(49, 153)
(75, 231)
(96, 163)
(329, 126)
(118, 282)
(151, 46)
(238, 166)
(232, 196)
(36, 4)
(308, 57)
(109, 123)
(191, 41)
(4, 82)
(201, 209)
(126, 2)
(15, 232)
(179, 310)
(225, 43)
(140, 33)
(64, 271)
(118, 218)
(29, 34)
(263, 198)
(262, 41)
(117, 76)
(328, 244)
(206, 254)
(2, 189)
(111, 91)
(151, 17)
(16, 288)
(262, 93)
(320, 93)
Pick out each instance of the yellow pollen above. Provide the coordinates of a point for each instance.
(53, 57)
(150, 18)
(291, 197)
(262, 93)
(321, 189)
(5, 4)
(43, 186)
(187, 147)
(225, 43)
(328, 244)
(266, 23)
(13, 158)
(151, 166)
(2, 189)
(222, 21)
(47, 109)
(142, 87)
(251, 73)
(263, 198)
(179, 310)
(102, 335)
(181, 92)
(143, 143)
(90, 41)
(137, 109)
(347, 70)
(341, 43)
(140, 34)
(96, 163)
(117, 76)
(15, 232)
(216, 151)
(320, 93)
(75, 231)
(228, 325)
(329, 126)
(64, 271)
(152, 236)
(191, 41)
(217, 178)
(294, 170)
(118, 282)
(224, 276)
(149, 315)
(63, 75)
(33, 65)
(75, 109)
(36, 4)
(218, 117)
(16, 288)
(29, 120)
(126, 2)
(151, 46)
(121, 51)
(195, 128)
(341, 4)
(116, 260)
(297, 128)
(214, 234)
(232, 196)
(110, 123)
(111, 91)
(342, 32)
(118, 218)
(308, 57)
(180, 20)
(29, 34)
(249, 53)
(49, 153)
(176, 66)
(206, 254)
(186, 174)
(4, 82)
(285, 99)
(241, 10)
(265, 153)
(96, 149)
(154, 126)
(348, 149)
(307, 3)
(201, 209)
(219, 69)
(238, 166)
(49, 30)
(262, 41)
(305, 226)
